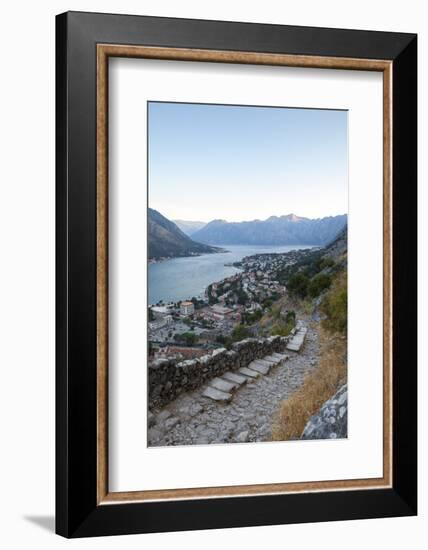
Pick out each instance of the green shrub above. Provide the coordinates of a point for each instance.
(188, 338)
(335, 306)
(240, 333)
(326, 262)
(250, 318)
(317, 284)
(242, 297)
(225, 341)
(290, 317)
(282, 328)
(298, 285)
(275, 311)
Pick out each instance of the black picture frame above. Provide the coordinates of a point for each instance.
(77, 511)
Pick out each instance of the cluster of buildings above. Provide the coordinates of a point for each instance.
(225, 305)
(169, 321)
(249, 288)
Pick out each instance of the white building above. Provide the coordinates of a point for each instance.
(160, 311)
(187, 308)
(162, 322)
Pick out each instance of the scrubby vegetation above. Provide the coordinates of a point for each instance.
(317, 388)
(310, 277)
(250, 318)
(317, 283)
(240, 332)
(335, 306)
(187, 338)
(284, 325)
(298, 285)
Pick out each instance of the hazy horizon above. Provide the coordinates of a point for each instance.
(209, 162)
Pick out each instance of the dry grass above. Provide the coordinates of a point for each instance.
(317, 388)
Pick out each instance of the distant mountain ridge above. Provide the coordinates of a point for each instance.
(189, 227)
(276, 230)
(166, 240)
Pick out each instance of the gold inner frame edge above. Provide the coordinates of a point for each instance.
(104, 51)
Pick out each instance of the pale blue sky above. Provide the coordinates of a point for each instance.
(243, 163)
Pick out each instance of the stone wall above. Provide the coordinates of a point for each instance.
(167, 378)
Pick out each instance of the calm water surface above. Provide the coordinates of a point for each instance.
(181, 278)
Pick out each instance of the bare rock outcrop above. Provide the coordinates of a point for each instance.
(331, 421)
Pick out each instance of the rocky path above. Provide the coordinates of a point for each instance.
(196, 419)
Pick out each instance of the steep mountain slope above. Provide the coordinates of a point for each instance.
(282, 230)
(189, 227)
(339, 245)
(167, 240)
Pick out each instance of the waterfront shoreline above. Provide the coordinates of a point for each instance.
(196, 273)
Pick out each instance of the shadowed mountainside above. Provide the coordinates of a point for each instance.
(166, 240)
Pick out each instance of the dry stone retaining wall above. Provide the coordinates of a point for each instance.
(167, 378)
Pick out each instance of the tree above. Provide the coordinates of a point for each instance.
(189, 338)
(240, 333)
(335, 306)
(242, 297)
(267, 303)
(326, 262)
(290, 317)
(298, 285)
(250, 318)
(225, 341)
(317, 284)
(197, 303)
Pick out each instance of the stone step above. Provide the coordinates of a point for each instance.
(265, 362)
(223, 385)
(217, 395)
(293, 347)
(295, 344)
(259, 367)
(269, 360)
(296, 341)
(233, 377)
(280, 356)
(274, 360)
(248, 372)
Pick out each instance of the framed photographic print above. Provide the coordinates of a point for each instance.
(236, 274)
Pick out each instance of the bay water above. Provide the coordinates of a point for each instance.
(182, 278)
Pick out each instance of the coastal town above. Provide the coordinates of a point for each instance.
(228, 310)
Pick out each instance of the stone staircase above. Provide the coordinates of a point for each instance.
(222, 388)
(298, 337)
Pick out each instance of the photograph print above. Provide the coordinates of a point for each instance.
(247, 274)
